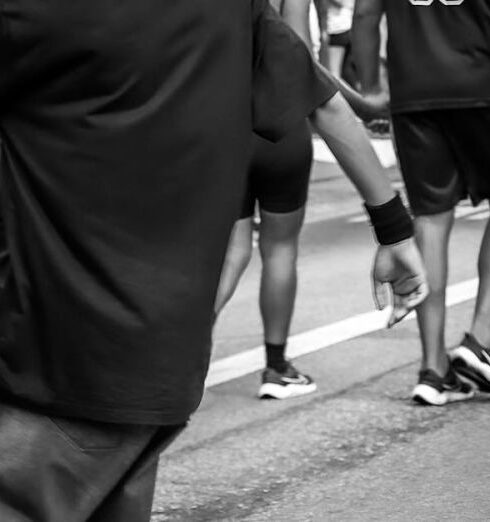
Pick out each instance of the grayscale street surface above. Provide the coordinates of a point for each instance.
(357, 449)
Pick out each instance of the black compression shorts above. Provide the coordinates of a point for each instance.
(279, 173)
(340, 39)
(444, 156)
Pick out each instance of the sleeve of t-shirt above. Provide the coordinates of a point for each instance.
(287, 85)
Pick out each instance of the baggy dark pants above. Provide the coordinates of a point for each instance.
(64, 470)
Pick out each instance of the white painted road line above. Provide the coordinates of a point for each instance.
(384, 149)
(480, 216)
(249, 361)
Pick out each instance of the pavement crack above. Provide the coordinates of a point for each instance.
(307, 403)
(245, 474)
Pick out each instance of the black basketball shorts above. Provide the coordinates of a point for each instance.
(444, 157)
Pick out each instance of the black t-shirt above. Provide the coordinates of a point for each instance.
(438, 54)
(125, 132)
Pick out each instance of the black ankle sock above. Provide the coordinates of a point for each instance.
(275, 356)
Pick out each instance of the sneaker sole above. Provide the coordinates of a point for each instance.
(270, 390)
(429, 396)
(466, 363)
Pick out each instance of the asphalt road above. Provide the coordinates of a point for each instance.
(357, 449)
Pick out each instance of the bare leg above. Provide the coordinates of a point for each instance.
(336, 55)
(237, 258)
(481, 320)
(433, 239)
(322, 12)
(279, 251)
(296, 13)
(276, 4)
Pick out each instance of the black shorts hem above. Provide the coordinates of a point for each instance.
(283, 208)
(279, 208)
(434, 209)
(419, 211)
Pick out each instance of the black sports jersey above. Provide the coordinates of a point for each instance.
(125, 128)
(438, 54)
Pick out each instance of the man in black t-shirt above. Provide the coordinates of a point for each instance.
(125, 130)
(439, 68)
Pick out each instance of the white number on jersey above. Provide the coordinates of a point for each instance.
(429, 2)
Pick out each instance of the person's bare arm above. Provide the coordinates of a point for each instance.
(366, 42)
(337, 125)
(397, 266)
(367, 107)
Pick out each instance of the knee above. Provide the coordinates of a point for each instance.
(284, 251)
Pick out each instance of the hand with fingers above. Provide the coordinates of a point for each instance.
(369, 106)
(378, 103)
(379, 128)
(399, 278)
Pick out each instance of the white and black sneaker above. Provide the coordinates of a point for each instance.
(471, 360)
(433, 390)
(285, 384)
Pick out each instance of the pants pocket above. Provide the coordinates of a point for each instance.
(87, 435)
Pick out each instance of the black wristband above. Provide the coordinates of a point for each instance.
(391, 221)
